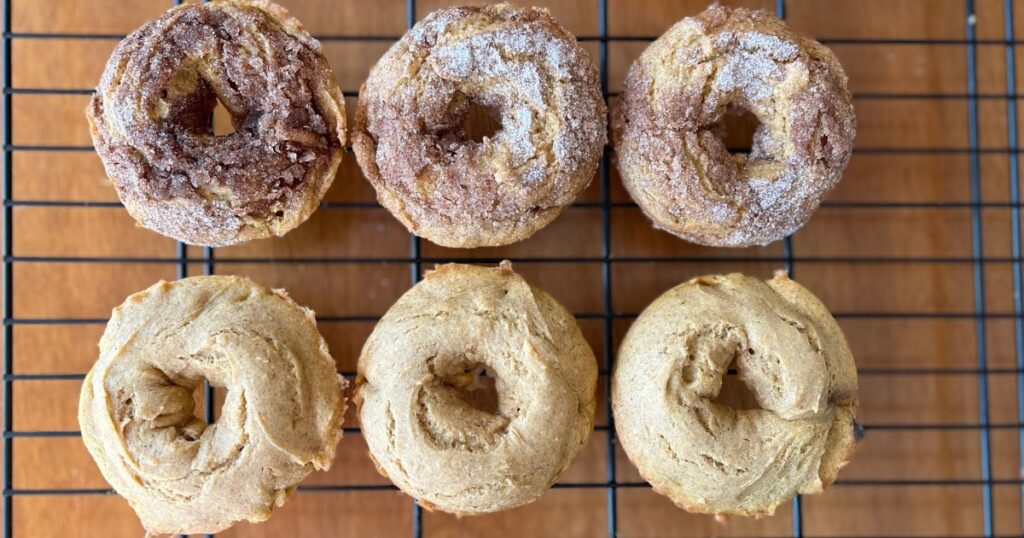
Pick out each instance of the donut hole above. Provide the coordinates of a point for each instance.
(737, 129)
(171, 401)
(483, 394)
(199, 396)
(189, 100)
(200, 389)
(480, 123)
(460, 407)
(735, 392)
(476, 388)
(222, 123)
(217, 394)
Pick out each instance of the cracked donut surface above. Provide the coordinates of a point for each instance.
(417, 373)
(410, 141)
(714, 457)
(675, 97)
(280, 418)
(150, 122)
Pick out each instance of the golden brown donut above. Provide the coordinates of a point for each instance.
(675, 96)
(456, 192)
(421, 417)
(280, 419)
(150, 122)
(708, 456)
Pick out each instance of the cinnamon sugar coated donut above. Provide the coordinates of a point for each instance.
(420, 372)
(713, 456)
(456, 192)
(280, 418)
(150, 122)
(677, 93)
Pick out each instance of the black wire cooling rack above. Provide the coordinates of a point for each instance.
(609, 313)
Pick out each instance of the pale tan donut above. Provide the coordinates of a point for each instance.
(418, 366)
(280, 420)
(677, 92)
(709, 457)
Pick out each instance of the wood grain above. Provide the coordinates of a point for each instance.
(845, 255)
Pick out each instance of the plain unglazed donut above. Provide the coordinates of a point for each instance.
(676, 94)
(417, 372)
(280, 419)
(707, 456)
(456, 192)
(150, 121)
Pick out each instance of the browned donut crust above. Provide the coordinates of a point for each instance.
(150, 123)
(678, 91)
(456, 192)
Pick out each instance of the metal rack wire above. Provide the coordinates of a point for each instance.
(606, 260)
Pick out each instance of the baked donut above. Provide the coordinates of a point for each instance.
(525, 68)
(712, 457)
(423, 417)
(150, 122)
(677, 93)
(281, 417)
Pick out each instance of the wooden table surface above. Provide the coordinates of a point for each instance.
(891, 253)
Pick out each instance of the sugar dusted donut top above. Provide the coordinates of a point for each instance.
(151, 111)
(518, 62)
(677, 92)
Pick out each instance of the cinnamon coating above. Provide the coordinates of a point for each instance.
(151, 112)
(677, 93)
(517, 62)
